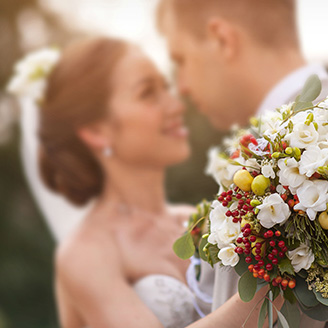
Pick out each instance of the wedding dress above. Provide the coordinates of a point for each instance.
(168, 298)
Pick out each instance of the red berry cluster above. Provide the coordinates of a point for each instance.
(284, 282)
(261, 274)
(243, 207)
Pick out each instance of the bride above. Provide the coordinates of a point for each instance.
(109, 128)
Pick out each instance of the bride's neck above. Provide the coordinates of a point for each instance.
(135, 187)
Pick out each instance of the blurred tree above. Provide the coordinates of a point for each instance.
(26, 247)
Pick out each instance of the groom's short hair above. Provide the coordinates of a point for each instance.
(271, 22)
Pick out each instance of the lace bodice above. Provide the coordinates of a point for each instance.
(168, 298)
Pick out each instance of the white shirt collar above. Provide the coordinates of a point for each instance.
(290, 86)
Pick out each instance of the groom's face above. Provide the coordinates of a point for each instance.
(202, 75)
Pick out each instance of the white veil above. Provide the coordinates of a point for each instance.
(61, 216)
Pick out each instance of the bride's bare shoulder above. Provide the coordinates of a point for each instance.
(182, 211)
(86, 252)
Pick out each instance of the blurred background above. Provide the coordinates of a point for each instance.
(26, 246)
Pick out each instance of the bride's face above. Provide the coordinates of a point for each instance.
(146, 120)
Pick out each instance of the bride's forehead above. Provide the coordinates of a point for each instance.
(134, 68)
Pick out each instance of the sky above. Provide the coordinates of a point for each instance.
(135, 21)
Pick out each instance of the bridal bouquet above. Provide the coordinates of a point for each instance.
(270, 218)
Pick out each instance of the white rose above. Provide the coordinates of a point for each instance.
(303, 136)
(312, 196)
(312, 159)
(273, 210)
(301, 258)
(220, 168)
(267, 171)
(289, 174)
(228, 256)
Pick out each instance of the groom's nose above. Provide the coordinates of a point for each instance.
(182, 84)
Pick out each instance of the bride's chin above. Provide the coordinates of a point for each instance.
(182, 155)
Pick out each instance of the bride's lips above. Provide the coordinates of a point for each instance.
(176, 130)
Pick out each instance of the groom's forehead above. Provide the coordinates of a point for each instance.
(263, 20)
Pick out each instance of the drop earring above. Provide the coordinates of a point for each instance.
(107, 152)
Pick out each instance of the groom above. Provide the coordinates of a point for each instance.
(235, 59)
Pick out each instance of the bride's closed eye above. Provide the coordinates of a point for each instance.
(147, 92)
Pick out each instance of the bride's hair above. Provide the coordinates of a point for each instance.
(77, 94)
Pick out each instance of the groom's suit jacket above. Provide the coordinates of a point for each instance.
(221, 282)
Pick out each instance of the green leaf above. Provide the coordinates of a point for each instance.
(305, 296)
(184, 247)
(263, 313)
(289, 296)
(319, 312)
(302, 105)
(275, 292)
(321, 299)
(202, 254)
(285, 266)
(242, 266)
(311, 90)
(292, 314)
(212, 257)
(282, 320)
(247, 286)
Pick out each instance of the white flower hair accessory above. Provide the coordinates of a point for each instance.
(30, 78)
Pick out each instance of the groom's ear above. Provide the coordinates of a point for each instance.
(96, 136)
(225, 35)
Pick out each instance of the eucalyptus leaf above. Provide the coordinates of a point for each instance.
(311, 90)
(247, 287)
(305, 296)
(292, 314)
(319, 312)
(302, 105)
(289, 296)
(242, 266)
(321, 299)
(184, 247)
(285, 266)
(263, 313)
(282, 320)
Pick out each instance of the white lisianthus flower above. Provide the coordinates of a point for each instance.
(217, 218)
(223, 230)
(280, 189)
(303, 136)
(219, 168)
(301, 258)
(312, 196)
(321, 118)
(31, 72)
(312, 159)
(267, 171)
(228, 233)
(228, 256)
(289, 174)
(273, 211)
